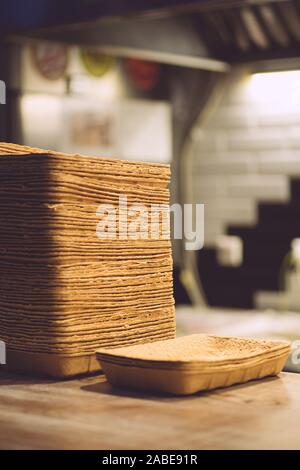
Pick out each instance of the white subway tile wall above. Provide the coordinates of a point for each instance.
(244, 154)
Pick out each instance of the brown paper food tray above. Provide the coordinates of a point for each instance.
(184, 383)
(50, 365)
(188, 377)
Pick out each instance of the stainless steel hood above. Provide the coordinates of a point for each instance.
(203, 34)
(172, 40)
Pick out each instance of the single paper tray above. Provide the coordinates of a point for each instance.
(200, 372)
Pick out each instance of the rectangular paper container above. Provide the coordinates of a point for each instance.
(184, 377)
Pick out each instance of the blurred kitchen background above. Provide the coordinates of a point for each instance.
(211, 87)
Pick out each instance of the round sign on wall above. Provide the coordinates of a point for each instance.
(95, 62)
(144, 75)
(50, 59)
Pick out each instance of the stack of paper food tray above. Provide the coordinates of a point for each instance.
(71, 282)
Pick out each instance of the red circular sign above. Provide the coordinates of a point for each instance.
(145, 75)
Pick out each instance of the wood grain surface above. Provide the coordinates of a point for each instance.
(88, 414)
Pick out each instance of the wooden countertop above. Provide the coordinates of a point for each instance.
(88, 414)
